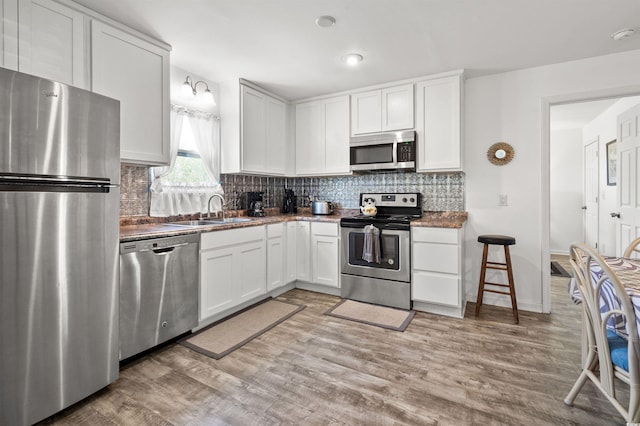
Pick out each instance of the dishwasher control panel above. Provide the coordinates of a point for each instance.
(158, 243)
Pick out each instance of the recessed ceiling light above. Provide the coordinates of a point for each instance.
(325, 21)
(352, 59)
(624, 33)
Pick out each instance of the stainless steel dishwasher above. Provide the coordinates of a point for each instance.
(158, 291)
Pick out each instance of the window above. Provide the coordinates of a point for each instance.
(188, 169)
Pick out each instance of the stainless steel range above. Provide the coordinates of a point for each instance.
(384, 279)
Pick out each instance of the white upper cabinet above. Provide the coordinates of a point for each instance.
(51, 42)
(254, 130)
(9, 34)
(438, 124)
(322, 137)
(366, 112)
(382, 110)
(136, 72)
(263, 133)
(276, 140)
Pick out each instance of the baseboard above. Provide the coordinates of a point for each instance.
(318, 288)
(505, 302)
(433, 308)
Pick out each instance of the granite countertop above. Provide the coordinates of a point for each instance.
(137, 229)
(132, 229)
(441, 219)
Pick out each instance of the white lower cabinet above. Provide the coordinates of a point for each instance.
(232, 268)
(437, 270)
(291, 251)
(303, 251)
(275, 255)
(325, 254)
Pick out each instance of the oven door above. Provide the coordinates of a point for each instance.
(395, 261)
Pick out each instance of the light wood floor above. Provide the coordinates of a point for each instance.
(315, 369)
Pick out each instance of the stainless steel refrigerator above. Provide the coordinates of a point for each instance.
(59, 217)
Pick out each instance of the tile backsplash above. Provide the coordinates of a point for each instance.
(440, 191)
(134, 190)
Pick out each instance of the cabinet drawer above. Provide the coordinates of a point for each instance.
(435, 288)
(229, 237)
(436, 257)
(435, 235)
(323, 228)
(275, 230)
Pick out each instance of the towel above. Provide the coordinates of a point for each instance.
(371, 246)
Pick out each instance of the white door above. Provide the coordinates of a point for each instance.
(590, 206)
(628, 149)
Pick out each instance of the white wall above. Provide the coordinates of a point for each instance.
(603, 129)
(566, 188)
(511, 107)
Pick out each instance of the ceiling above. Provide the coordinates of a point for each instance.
(277, 45)
(577, 115)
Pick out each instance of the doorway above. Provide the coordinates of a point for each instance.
(586, 115)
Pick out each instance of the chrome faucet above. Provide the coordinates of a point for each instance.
(221, 205)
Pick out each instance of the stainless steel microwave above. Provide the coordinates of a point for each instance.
(383, 152)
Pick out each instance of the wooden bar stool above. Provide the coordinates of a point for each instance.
(505, 242)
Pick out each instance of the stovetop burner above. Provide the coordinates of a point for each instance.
(394, 211)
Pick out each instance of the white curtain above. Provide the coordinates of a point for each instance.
(176, 119)
(170, 199)
(206, 133)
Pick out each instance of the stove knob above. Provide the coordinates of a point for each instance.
(413, 200)
(404, 200)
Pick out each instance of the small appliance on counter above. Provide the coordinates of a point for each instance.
(321, 207)
(255, 204)
(289, 202)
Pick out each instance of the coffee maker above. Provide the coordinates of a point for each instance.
(289, 202)
(255, 204)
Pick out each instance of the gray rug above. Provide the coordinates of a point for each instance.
(380, 316)
(223, 337)
(558, 271)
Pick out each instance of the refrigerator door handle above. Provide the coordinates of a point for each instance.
(11, 178)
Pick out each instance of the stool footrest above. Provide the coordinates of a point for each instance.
(499, 266)
(496, 291)
(499, 285)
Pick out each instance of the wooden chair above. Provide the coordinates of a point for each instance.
(609, 355)
(633, 248)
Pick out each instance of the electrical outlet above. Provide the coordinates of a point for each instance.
(503, 200)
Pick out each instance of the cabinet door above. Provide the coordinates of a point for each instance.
(309, 138)
(438, 124)
(397, 108)
(253, 125)
(9, 34)
(325, 264)
(366, 112)
(136, 73)
(251, 269)
(276, 136)
(218, 273)
(336, 125)
(303, 252)
(276, 250)
(291, 249)
(52, 42)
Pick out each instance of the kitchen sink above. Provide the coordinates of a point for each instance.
(209, 222)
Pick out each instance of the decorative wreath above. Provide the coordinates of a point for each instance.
(500, 153)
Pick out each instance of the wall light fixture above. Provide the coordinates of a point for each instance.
(190, 88)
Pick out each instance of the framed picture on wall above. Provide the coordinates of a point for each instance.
(612, 177)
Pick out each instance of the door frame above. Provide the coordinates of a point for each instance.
(595, 142)
(545, 105)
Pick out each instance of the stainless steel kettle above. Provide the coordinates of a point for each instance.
(321, 207)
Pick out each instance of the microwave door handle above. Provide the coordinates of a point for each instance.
(395, 153)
